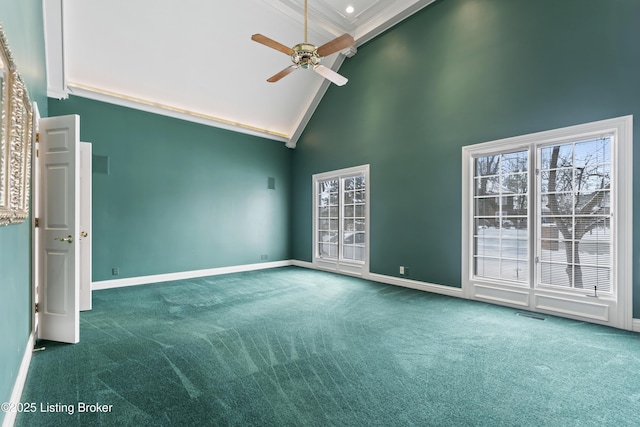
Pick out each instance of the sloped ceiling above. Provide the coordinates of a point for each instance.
(195, 60)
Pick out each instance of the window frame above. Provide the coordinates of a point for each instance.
(341, 264)
(532, 296)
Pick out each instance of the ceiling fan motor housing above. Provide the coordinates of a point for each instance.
(305, 55)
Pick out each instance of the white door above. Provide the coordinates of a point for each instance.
(85, 226)
(59, 316)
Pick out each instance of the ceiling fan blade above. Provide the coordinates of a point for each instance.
(331, 75)
(283, 73)
(271, 43)
(336, 45)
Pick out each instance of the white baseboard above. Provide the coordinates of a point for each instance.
(156, 278)
(635, 326)
(16, 395)
(390, 280)
(303, 264)
(396, 281)
(414, 284)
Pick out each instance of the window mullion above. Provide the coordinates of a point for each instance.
(341, 219)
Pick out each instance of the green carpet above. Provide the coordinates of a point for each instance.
(297, 347)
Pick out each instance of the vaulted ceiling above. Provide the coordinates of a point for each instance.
(195, 60)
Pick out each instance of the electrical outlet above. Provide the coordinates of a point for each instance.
(402, 270)
(115, 271)
(264, 257)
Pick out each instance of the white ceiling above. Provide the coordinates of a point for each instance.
(194, 59)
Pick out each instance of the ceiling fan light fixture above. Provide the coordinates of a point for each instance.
(306, 55)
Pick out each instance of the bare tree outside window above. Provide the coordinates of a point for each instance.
(575, 201)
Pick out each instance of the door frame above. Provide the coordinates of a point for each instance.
(35, 215)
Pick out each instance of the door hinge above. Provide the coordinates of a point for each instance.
(37, 307)
(36, 223)
(38, 137)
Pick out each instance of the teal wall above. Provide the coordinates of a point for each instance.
(462, 72)
(22, 22)
(180, 196)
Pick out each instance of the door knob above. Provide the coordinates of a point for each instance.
(68, 239)
(84, 234)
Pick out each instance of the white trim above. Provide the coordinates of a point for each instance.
(157, 278)
(53, 23)
(35, 213)
(303, 264)
(622, 128)
(171, 111)
(375, 27)
(16, 395)
(414, 284)
(636, 325)
(310, 108)
(355, 268)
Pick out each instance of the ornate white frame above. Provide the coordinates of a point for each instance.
(16, 120)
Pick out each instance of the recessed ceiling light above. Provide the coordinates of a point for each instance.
(349, 9)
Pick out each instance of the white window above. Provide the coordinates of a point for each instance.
(547, 221)
(501, 237)
(574, 213)
(341, 205)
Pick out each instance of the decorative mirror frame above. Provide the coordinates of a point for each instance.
(15, 139)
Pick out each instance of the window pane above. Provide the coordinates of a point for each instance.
(348, 252)
(575, 238)
(487, 267)
(349, 225)
(515, 270)
(596, 277)
(341, 221)
(349, 184)
(593, 152)
(333, 253)
(514, 162)
(487, 165)
(500, 216)
(554, 274)
(563, 156)
(486, 207)
(562, 180)
(487, 186)
(488, 246)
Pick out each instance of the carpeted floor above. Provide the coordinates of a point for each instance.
(296, 347)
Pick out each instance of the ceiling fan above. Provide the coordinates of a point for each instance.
(305, 55)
